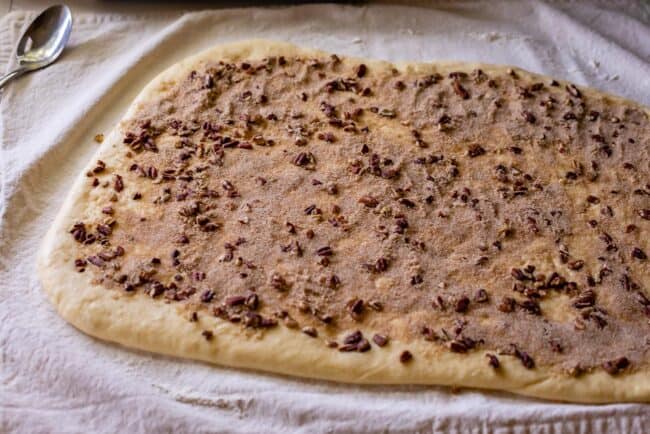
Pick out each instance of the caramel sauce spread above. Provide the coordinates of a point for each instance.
(473, 210)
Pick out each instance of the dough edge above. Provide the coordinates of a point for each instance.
(139, 322)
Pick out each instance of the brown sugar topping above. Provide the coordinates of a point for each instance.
(478, 211)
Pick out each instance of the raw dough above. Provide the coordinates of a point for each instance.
(136, 320)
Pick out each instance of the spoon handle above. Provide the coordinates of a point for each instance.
(10, 76)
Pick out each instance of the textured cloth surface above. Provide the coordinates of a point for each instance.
(53, 378)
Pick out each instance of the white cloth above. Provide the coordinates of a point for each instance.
(54, 378)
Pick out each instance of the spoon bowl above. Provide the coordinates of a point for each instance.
(43, 41)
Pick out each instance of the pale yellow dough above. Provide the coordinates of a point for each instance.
(138, 322)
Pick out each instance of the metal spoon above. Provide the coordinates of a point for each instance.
(42, 42)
